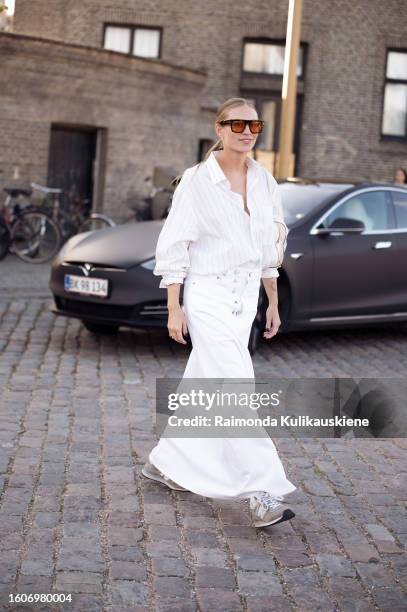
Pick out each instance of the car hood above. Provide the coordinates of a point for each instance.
(123, 246)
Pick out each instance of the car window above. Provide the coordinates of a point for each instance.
(300, 200)
(400, 205)
(371, 207)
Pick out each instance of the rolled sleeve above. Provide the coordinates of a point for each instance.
(180, 228)
(170, 280)
(270, 273)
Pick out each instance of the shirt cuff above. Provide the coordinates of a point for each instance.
(169, 280)
(270, 273)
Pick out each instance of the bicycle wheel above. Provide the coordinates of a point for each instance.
(67, 225)
(35, 237)
(4, 238)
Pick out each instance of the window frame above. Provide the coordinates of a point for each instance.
(402, 190)
(133, 27)
(386, 80)
(280, 42)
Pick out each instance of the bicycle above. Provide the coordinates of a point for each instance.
(154, 206)
(33, 235)
(72, 216)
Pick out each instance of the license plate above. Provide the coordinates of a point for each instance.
(85, 285)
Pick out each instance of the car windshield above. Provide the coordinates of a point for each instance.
(300, 199)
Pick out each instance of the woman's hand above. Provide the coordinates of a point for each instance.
(272, 321)
(177, 324)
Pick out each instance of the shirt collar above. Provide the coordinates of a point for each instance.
(217, 175)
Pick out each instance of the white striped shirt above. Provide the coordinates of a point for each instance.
(207, 230)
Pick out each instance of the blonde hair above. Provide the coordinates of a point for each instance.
(221, 115)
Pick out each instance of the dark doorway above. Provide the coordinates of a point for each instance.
(204, 146)
(71, 162)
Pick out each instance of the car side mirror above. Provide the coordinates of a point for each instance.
(346, 223)
(343, 224)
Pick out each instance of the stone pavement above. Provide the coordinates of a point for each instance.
(77, 517)
(19, 278)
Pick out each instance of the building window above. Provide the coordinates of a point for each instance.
(117, 39)
(134, 40)
(267, 58)
(394, 119)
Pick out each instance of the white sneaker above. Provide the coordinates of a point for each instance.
(268, 510)
(150, 471)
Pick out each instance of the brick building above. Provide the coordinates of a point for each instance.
(146, 77)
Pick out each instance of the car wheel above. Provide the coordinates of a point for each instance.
(188, 341)
(284, 303)
(254, 339)
(100, 328)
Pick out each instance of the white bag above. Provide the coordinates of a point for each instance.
(279, 227)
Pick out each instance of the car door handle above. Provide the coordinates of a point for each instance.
(296, 255)
(382, 245)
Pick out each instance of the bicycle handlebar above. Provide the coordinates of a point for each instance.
(46, 189)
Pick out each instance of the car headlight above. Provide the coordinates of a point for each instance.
(62, 251)
(149, 264)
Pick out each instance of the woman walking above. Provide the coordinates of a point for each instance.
(219, 241)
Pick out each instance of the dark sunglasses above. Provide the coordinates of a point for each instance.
(239, 125)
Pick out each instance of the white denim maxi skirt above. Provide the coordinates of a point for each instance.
(220, 310)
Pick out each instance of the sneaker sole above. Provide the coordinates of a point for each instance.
(162, 480)
(287, 515)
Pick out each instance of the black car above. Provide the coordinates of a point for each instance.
(345, 264)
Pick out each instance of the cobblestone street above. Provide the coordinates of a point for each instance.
(77, 516)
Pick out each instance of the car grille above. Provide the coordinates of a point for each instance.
(92, 308)
(78, 307)
(95, 266)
